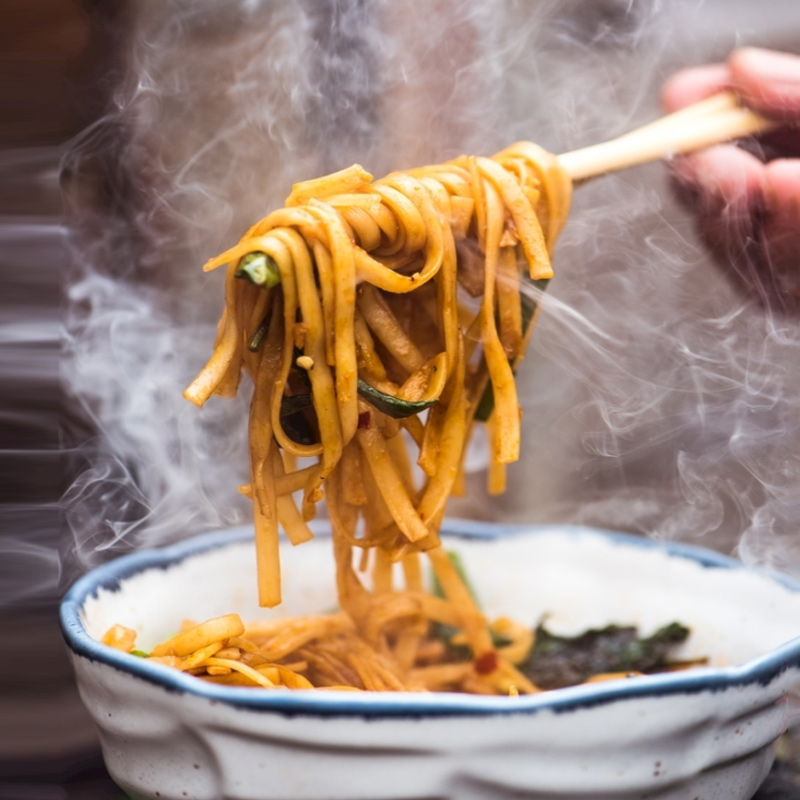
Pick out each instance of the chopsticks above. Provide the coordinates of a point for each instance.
(719, 118)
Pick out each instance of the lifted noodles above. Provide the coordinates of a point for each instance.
(354, 313)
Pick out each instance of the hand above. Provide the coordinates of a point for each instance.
(748, 200)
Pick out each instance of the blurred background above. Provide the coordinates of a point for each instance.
(139, 137)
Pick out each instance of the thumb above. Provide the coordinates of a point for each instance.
(768, 81)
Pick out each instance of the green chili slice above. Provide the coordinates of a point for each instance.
(389, 404)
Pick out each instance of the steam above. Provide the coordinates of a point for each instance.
(657, 397)
(680, 416)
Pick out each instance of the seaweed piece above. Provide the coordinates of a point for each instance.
(299, 419)
(559, 661)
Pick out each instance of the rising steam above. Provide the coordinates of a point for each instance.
(658, 397)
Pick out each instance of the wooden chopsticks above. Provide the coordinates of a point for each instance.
(719, 118)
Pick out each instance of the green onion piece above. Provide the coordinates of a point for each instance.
(260, 269)
(486, 405)
(258, 336)
(446, 632)
(389, 404)
(140, 654)
(455, 560)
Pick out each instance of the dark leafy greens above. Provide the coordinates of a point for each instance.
(558, 661)
(389, 404)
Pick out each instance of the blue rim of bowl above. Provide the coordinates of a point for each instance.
(762, 670)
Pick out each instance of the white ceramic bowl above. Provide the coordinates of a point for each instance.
(703, 734)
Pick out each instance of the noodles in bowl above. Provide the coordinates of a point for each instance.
(711, 730)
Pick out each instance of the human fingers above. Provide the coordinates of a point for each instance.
(748, 213)
(748, 207)
(726, 177)
(726, 186)
(693, 84)
(768, 81)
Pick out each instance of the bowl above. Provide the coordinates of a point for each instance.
(706, 733)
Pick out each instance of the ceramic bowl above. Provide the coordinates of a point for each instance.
(705, 733)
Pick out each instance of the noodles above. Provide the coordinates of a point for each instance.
(356, 324)
(327, 652)
(330, 652)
